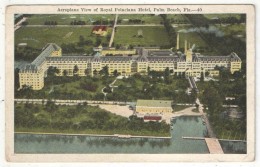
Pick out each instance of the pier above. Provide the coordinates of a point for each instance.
(212, 144)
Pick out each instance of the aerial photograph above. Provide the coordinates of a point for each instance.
(130, 83)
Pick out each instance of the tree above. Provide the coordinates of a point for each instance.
(206, 73)
(75, 70)
(108, 37)
(167, 74)
(98, 41)
(65, 72)
(50, 106)
(149, 70)
(115, 73)
(87, 71)
(212, 99)
(131, 46)
(81, 40)
(95, 72)
(193, 95)
(52, 71)
(104, 71)
(201, 77)
(16, 78)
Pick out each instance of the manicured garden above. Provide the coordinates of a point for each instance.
(151, 87)
(69, 88)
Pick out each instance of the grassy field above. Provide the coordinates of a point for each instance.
(62, 19)
(38, 37)
(177, 18)
(210, 16)
(192, 38)
(151, 36)
(147, 18)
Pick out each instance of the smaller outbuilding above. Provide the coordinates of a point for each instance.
(100, 30)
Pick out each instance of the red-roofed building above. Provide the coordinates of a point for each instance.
(152, 118)
(100, 30)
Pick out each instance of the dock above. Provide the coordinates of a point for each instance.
(212, 144)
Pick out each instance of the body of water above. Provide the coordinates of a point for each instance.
(188, 126)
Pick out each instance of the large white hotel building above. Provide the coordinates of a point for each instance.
(126, 62)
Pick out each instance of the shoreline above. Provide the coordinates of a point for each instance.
(123, 136)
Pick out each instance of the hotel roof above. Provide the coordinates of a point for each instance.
(161, 53)
(29, 68)
(70, 58)
(49, 48)
(163, 58)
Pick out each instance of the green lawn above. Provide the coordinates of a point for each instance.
(147, 18)
(38, 37)
(62, 19)
(156, 36)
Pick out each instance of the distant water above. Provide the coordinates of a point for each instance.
(183, 126)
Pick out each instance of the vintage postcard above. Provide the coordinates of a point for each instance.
(130, 83)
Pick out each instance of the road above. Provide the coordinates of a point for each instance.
(124, 25)
(68, 102)
(18, 25)
(113, 32)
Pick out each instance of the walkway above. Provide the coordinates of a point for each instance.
(193, 84)
(214, 146)
(113, 32)
(18, 25)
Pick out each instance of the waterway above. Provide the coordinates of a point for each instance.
(182, 126)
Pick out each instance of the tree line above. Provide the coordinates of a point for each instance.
(169, 29)
(53, 23)
(80, 118)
